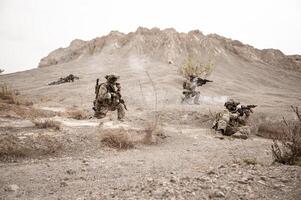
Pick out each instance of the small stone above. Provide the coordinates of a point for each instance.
(262, 183)
(70, 171)
(263, 178)
(63, 184)
(173, 179)
(217, 194)
(283, 180)
(149, 179)
(243, 181)
(12, 188)
(211, 172)
(277, 186)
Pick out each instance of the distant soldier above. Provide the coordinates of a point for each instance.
(69, 78)
(233, 119)
(190, 88)
(108, 98)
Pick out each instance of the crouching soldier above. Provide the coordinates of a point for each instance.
(108, 98)
(232, 120)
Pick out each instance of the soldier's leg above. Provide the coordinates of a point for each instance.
(120, 111)
(196, 98)
(221, 126)
(243, 132)
(229, 131)
(100, 110)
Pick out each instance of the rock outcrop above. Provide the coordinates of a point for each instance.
(170, 46)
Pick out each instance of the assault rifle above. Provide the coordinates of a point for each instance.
(96, 88)
(246, 110)
(201, 81)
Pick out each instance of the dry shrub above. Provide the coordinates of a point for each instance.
(192, 68)
(1, 71)
(286, 148)
(117, 140)
(153, 132)
(47, 124)
(8, 95)
(250, 161)
(75, 114)
(270, 129)
(11, 147)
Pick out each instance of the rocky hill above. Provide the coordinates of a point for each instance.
(171, 47)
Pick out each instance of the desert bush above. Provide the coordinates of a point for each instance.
(250, 161)
(117, 140)
(47, 124)
(286, 148)
(11, 147)
(75, 114)
(7, 94)
(269, 129)
(1, 71)
(197, 69)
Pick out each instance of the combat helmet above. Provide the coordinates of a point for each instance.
(231, 105)
(112, 78)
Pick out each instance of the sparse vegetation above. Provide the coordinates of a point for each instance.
(75, 114)
(117, 140)
(286, 148)
(8, 95)
(197, 69)
(1, 71)
(12, 147)
(47, 124)
(250, 161)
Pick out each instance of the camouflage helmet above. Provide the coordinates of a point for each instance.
(112, 78)
(231, 105)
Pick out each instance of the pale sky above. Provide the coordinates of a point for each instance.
(30, 29)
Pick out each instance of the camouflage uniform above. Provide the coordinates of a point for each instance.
(108, 98)
(189, 90)
(229, 121)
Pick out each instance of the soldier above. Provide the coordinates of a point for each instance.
(189, 88)
(67, 79)
(233, 119)
(71, 78)
(108, 98)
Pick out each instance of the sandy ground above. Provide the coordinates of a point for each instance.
(189, 162)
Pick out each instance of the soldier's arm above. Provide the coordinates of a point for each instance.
(102, 91)
(234, 115)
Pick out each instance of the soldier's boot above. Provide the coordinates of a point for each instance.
(99, 115)
(120, 112)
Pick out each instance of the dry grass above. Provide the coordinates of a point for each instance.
(11, 147)
(200, 70)
(7, 94)
(75, 114)
(286, 148)
(118, 140)
(250, 161)
(47, 124)
(270, 129)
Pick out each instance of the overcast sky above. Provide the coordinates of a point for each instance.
(30, 29)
